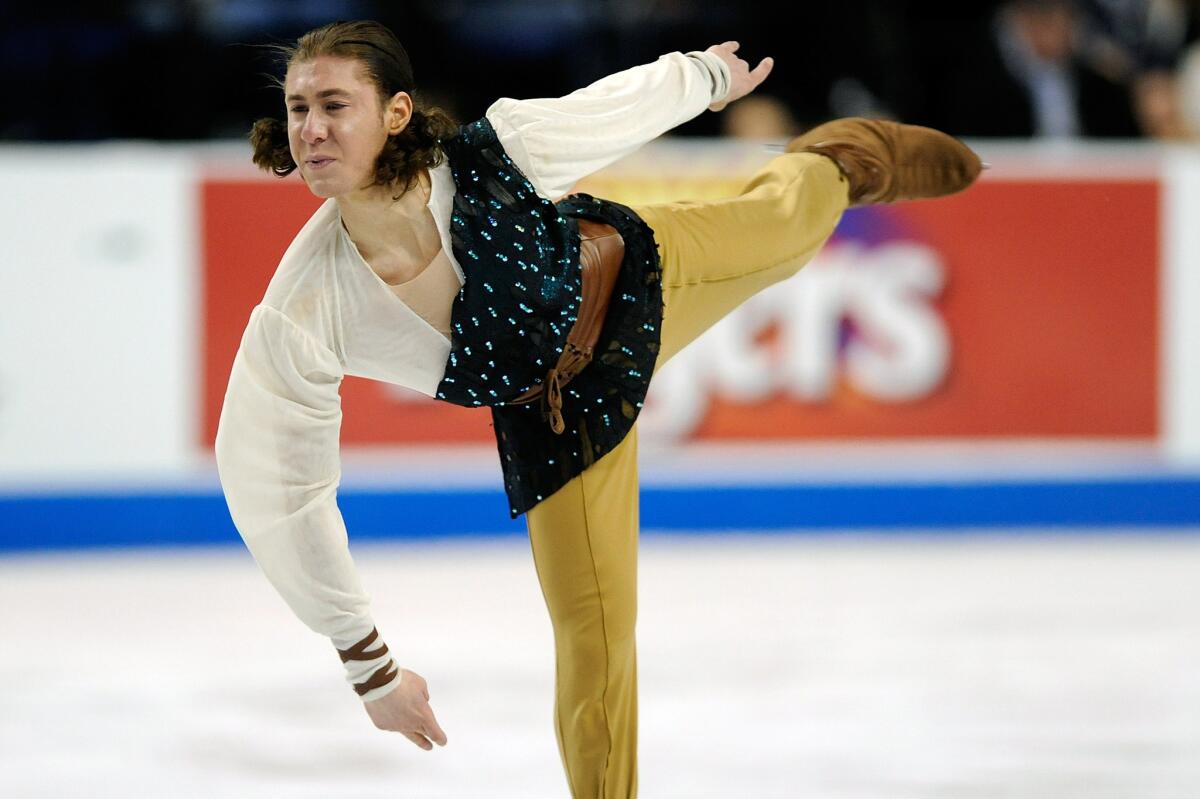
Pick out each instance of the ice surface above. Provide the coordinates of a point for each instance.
(839, 666)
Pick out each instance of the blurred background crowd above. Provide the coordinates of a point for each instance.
(195, 70)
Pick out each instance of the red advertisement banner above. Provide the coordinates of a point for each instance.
(1018, 309)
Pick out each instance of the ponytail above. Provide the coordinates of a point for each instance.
(269, 140)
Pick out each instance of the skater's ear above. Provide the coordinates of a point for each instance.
(397, 113)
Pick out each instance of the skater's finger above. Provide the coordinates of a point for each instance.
(430, 726)
(434, 731)
(760, 72)
(419, 739)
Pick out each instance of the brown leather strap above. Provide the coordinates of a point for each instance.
(601, 251)
(382, 676)
(553, 395)
(359, 650)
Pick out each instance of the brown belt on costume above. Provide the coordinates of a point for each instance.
(601, 250)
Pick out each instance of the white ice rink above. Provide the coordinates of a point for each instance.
(839, 667)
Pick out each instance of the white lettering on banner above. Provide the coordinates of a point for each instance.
(903, 352)
(863, 312)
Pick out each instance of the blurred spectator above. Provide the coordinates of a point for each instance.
(1129, 37)
(1158, 101)
(1139, 43)
(759, 116)
(1030, 78)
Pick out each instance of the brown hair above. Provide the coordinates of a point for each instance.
(386, 65)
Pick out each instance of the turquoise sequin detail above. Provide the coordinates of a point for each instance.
(520, 256)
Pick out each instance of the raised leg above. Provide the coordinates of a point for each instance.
(716, 255)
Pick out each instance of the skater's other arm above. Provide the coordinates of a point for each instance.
(557, 141)
(277, 454)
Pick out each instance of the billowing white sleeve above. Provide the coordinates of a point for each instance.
(557, 141)
(277, 454)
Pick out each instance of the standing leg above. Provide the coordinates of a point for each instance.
(584, 539)
(716, 255)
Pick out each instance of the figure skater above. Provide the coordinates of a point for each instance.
(441, 261)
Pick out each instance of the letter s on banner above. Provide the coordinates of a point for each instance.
(901, 349)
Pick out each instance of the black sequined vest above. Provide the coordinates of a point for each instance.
(520, 255)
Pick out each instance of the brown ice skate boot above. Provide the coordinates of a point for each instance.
(886, 161)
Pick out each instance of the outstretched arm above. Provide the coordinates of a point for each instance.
(557, 141)
(277, 454)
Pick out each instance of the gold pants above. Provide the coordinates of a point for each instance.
(584, 537)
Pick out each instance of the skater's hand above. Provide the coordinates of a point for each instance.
(406, 710)
(743, 80)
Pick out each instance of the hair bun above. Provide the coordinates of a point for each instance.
(268, 138)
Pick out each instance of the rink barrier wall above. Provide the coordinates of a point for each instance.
(1067, 273)
(1059, 338)
(101, 520)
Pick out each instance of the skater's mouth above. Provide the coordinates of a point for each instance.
(319, 162)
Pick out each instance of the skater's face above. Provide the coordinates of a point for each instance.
(338, 123)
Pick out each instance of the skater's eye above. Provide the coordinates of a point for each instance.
(298, 109)
(334, 106)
